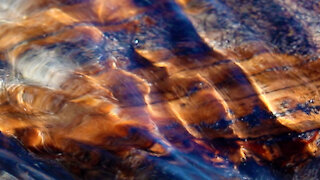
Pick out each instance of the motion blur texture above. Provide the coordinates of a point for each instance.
(159, 89)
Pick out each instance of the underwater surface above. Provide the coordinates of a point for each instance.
(159, 89)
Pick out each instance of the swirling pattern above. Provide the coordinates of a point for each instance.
(169, 89)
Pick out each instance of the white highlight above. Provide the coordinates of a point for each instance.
(12, 9)
(44, 67)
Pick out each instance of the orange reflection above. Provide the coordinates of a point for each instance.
(50, 101)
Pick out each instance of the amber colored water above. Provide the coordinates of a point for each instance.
(167, 89)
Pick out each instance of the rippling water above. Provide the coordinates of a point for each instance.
(167, 89)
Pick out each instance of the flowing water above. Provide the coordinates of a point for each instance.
(167, 89)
